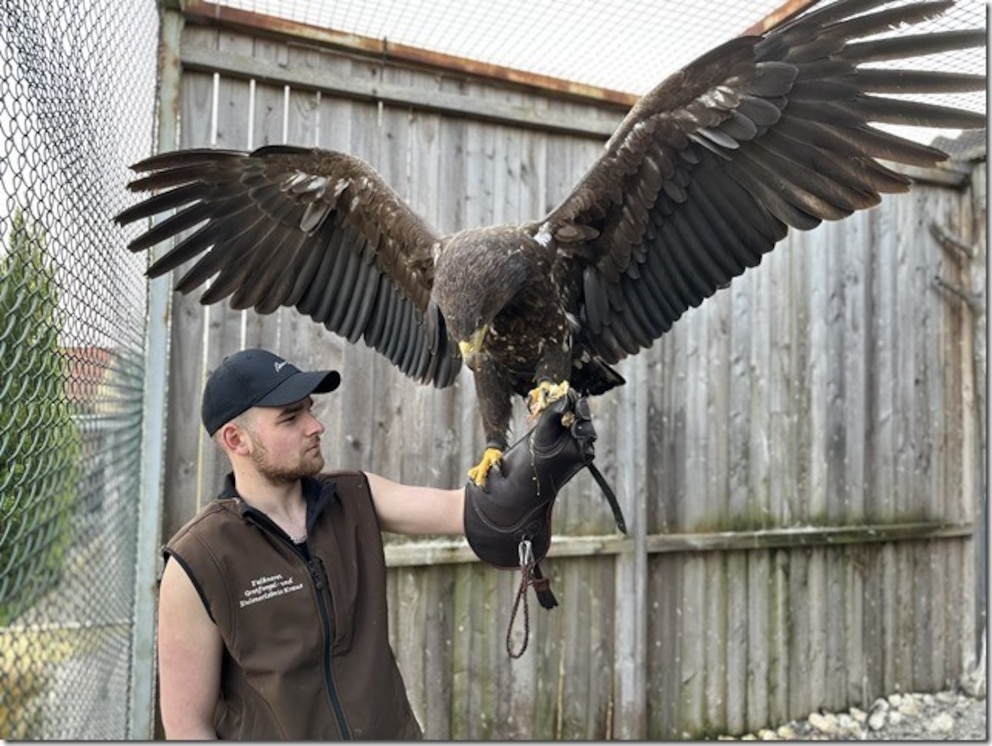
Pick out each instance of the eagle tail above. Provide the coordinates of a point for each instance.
(595, 377)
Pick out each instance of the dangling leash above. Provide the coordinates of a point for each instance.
(609, 496)
(530, 575)
(530, 571)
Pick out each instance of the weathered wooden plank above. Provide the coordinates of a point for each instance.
(906, 586)
(884, 440)
(741, 501)
(631, 569)
(735, 641)
(597, 123)
(715, 640)
(759, 642)
(760, 434)
(833, 639)
(817, 603)
(820, 292)
(692, 658)
(778, 633)
(871, 564)
(666, 623)
(854, 479)
(854, 626)
(798, 650)
(783, 384)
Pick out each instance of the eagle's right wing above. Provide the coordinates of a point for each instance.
(306, 228)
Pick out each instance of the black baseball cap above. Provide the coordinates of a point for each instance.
(258, 378)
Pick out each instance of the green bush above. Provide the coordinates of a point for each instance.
(40, 444)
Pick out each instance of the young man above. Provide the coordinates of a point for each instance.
(272, 610)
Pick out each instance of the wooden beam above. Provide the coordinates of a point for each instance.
(597, 122)
(457, 550)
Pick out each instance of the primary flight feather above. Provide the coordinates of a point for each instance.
(707, 172)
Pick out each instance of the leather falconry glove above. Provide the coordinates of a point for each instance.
(508, 521)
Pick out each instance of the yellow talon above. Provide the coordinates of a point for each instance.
(544, 394)
(490, 458)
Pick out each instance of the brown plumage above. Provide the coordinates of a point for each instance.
(706, 173)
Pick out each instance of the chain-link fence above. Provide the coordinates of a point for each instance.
(76, 105)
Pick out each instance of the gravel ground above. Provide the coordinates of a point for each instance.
(944, 716)
(959, 715)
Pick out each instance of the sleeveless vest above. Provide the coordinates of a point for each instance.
(306, 640)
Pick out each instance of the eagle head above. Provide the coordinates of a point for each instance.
(478, 274)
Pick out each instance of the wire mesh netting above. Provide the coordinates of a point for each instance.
(76, 106)
(627, 45)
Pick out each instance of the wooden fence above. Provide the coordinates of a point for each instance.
(800, 459)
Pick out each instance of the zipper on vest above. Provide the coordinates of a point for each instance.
(319, 578)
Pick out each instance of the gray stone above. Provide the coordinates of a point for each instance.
(876, 721)
(943, 723)
(909, 707)
(786, 733)
(825, 723)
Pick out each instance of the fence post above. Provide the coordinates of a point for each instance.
(630, 678)
(155, 407)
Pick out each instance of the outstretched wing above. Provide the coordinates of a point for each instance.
(710, 169)
(312, 229)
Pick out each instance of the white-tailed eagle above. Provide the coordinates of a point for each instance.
(706, 174)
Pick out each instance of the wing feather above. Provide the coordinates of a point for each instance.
(652, 317)
(315, 298)
(358, 309)
(388, 323)
(342, 288)
(653, 281)
(761, 135)
(284, 280)
(383, 302)
(395, 348)
(306, 228)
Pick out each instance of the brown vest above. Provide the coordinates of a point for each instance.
(306, 643)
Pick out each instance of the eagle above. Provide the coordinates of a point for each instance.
(706, 173)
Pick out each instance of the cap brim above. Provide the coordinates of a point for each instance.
(299, 386)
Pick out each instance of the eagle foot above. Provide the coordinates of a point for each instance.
(480, 471)
(543, 394)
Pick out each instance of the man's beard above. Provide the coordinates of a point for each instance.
(310, 464)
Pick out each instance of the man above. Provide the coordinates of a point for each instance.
(272, 611)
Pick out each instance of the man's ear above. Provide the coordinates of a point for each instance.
(234, 439)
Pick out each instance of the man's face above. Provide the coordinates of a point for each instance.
(286, 441)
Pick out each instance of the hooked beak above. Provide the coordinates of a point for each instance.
(470, 348)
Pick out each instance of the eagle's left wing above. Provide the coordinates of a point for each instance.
(710, 169)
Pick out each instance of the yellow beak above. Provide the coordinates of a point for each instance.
(469, 348)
